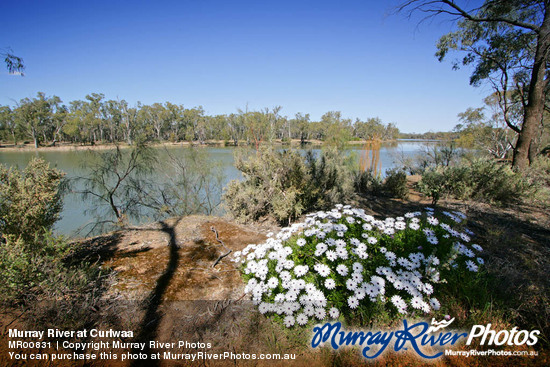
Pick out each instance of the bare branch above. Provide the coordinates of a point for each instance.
(449, 7)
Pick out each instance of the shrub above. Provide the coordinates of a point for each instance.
(538, 175)
(366, 182)
(346, 264)
(331, 178)
(285, 184)
(30, 200)
(32, 261)
(395, 184)
(481, 180)
(39, 269)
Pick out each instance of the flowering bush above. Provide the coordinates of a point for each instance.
(341, 262)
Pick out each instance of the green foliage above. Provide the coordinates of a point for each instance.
(97, 120)
(14, 63)
(395, 184)
(331, 178)
(367, 182)
(25, 266)
(31, 259)
(285, 184)
(480, 179)
(538, 176)
(30, 200)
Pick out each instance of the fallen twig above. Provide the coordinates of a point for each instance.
(220, 241)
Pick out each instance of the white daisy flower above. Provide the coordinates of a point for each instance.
(322, 269)
(330, 284)
(360, 293)
(331, 255)
(309, 310)
(353, 302)
(301, 319)
(428, 288)
(400, 225)
(357, 277)
(433, 221)
(477, 247)
(357, 267)
(389, 231)
(471, 266)
(367, 227)
(301, 270)
(435, 304)
(273, 282)
(342, 253)
(320, 248)
(351, 284)
(342, 270)
(320, 313)
(334, 313)
(414, 226)
(416, 302)
(289, 321)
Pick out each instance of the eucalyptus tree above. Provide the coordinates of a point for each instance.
(194, 122)
(301, 126)
(129, 119)
(59, 120)
(174, 120)
(236, 127)
(76, 127)
(112, 117)
(14, 63)
(8, 122)
(97, 125)
(35, 115)
(275, 122)
(338, 130)
(370, 129)
(508, 44)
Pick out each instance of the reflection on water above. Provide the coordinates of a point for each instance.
(73, 163)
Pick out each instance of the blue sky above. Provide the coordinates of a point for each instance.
(306, 56)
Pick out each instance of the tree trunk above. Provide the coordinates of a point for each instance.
(536, 97)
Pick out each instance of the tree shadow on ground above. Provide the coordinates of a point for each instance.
(148, 328)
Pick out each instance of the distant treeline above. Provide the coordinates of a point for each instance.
(431, 135)
(47, 120)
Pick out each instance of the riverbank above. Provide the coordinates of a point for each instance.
(63, 147)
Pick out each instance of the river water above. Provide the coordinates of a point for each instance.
(73, 163)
